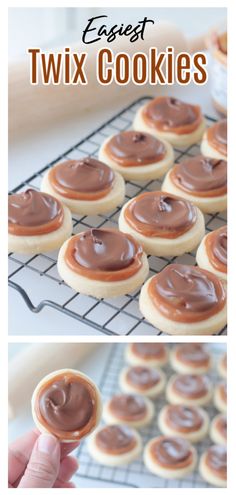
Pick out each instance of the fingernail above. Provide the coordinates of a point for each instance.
(47, 444)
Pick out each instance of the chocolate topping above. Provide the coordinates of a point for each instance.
(223, 391)
(224, 361)
(104, 254)
(85, 179)
(171, 452)
(216, 247)
(201, 176)
(216, 460)
(149, 351)
(128, 407)
(184, 419)
(191, 386)
(156, 214)
(115, 439)
(134, 149)
(142, 377)
(172, 115)
(221, 425)
(33, 213)
(193, 354)
(217, 136)
(187, 293)
(67, 404)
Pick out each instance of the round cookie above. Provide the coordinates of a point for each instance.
(143, 380)
(115, 445)
(170, 457)
(137, 155)
(218, 429)
(130, 409)
(214, 142)
(189, 390)
(212, 253)
(37, 222)
(190, 358)
(102, 263)
(66, 404)
(179, 123)
(152, 354)
(164, 224)
(213, 465)
(220, 397)
(201, 180)
(184, 300)
(222, 366)
(87, 186)
(189, 422)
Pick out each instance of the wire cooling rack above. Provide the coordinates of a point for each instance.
(136, 474)
(36, 277)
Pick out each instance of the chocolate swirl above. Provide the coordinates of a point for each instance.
(128, 407)
(217, 136)
(216, 460)
(142, 377)
(134, 149)
(171, 452)
(172, 115)
(67, 403)
(157, 214)
(149, 351)
(85, 179)
(33, 213)
(104, 254)
(201, 176)
(191, 386)
(115, 439)
(216, 248)
(184, 419)
(193, 354)
(187, 293)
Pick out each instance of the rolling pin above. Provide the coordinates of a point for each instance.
(30, 365)
(32, 107)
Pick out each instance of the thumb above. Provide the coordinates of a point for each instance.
(43, 467)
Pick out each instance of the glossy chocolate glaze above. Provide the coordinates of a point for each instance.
(183, 419)
(33, 213)
(193, 354)
(158, 214)
(172, 115)
(171, 452)
(128, 407)
(187, 293)
(104, 254)
(85, 179)
(142, 377)
(191, 386)
(216, 460)
(217, 136)
(149, 351)
(67, 403)
(201, 176)
(216, 248)
(134, 149)
(115, 439)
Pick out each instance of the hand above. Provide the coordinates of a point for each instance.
(40, 461)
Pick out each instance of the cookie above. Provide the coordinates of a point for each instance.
(191, 358)
(128, 409)
(142, 380)
(222, 366)
(170, 457)
(212, 253)
(213, 466)
(189, 422)
(214, 142)
(152, 354)
(220, 396)
(189, 390)
(218, 429)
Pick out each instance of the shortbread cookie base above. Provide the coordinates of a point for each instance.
(34, 244)
(185, 368)
(158, 470)
(114, 198)
(142, 172)
(151, 392)
(160, 246)
(110, 459)
(175, 398)
(215, 435)
(219, 403)
(208, 150)
(208, 475)
(135, 360)
(193, 436)
(204, 262)
(41, 427)
(177, 140)
(221, 369)
(205, 327)
(212, 204)
(110, 419)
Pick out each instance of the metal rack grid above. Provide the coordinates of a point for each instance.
(36, 277)
(136, 474)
